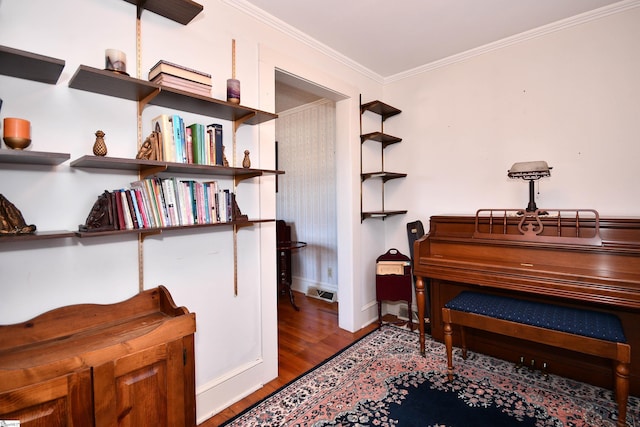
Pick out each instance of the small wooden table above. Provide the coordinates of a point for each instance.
(284, 266)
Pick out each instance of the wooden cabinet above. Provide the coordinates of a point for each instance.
(124, 364)
(384, 111)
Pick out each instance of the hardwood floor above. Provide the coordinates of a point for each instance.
(305, 339)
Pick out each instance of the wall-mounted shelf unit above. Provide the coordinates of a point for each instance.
(384, 111)
(30, 66)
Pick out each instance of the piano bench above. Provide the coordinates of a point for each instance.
(585, 331)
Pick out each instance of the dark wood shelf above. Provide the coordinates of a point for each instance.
(30, 66)
(109, 83)
(182, 11)
(38, 235)
(378, 107)
(385, 111)
(380, 214)
(152, 167)
(158, 230)
(32, 157)
(380, 137)
(385, 176)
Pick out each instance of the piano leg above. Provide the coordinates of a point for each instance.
(420, 302)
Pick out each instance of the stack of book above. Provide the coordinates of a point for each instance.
(179, 77)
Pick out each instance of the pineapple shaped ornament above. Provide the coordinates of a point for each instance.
(99, 147)
(246, 162)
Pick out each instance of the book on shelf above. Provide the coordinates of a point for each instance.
(178, 137)
(125, 209)
(198, 144)
(170, 202)
(182, 84)
(188, 139)
(163, 125)
(133, 209)
(216, 132)
(122, 225)
(173, 69)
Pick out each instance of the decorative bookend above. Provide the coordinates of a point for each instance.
(236, 214)
(11, 219)
(101, 216)
(150, 148)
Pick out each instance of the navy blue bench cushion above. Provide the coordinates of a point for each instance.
(587, 323)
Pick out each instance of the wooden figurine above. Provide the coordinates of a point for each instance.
(150, 148)
(246, 162)
(225, 162)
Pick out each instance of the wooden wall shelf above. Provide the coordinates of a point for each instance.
(30, 66)
(159, 230)
(38, 235)
(384, 111)
(110, 83)
(181, 11)
(150, 167)
(32, 157)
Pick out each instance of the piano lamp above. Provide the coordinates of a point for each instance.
(531, 171)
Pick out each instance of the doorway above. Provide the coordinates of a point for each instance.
(306, 193)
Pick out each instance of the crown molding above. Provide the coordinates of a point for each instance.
(298, 35)
(519, 38)
(294, 33)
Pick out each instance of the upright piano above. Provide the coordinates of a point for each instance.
(568, 257)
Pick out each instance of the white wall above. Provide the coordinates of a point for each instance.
(572, 95)
(571, 98)
(236, 340)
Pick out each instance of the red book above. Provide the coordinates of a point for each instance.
(121, 223)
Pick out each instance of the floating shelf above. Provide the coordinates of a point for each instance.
(32, 157)
(380, 214)
(30, 66)
(385, 176)
(384, 110)
(147, 167)
(182, 11)
(380, 137)
(159, 230)
(110, 83)
(38, 235)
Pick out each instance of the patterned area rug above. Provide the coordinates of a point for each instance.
(382, 380)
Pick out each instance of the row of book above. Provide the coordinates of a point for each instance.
(179, 77)
(195, 143)
(170, 202)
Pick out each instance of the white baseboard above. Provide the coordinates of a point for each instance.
(224, 391)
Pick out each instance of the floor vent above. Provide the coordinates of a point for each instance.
(329, 296)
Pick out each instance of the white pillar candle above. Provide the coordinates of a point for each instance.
(115, 60)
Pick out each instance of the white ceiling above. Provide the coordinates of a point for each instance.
(390, 37)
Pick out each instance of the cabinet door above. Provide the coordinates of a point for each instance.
(149, 387)
(59, 402)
